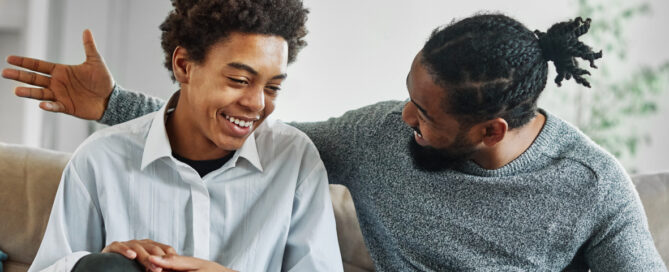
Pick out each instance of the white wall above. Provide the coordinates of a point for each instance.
(359, 53)
(11, 127)
(12, 26)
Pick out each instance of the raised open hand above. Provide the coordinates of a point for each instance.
(80, 90)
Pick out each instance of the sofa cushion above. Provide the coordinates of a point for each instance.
(654, 192)
(29, 178)
(354, 253)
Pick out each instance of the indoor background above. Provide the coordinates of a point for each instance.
(359, 53)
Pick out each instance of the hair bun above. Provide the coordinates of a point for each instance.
(560, 44)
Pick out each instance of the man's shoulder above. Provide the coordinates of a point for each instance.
(376, 111)
(579, 150)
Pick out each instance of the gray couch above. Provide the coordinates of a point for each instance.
(29, 178)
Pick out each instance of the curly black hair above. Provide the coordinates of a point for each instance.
(491, 65)
(196, 25)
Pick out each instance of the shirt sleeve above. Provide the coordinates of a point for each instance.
(75, 226)
(622, 240)
(312, 240)
(125, 105)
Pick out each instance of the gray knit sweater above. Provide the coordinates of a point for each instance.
(564, 204)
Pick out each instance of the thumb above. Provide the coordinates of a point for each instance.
(89, 45)
(52, 106)
(175, 262)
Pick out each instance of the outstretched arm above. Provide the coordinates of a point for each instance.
(82, 90)
(124, 105)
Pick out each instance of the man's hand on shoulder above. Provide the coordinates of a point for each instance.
(80, 90)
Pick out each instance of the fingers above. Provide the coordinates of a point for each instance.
(34, 93)
(89, 45)
(27, 77)
(176, 262)
(36, 65)
(57, 107)
(143, 256)
(139, 250)
(116, 247)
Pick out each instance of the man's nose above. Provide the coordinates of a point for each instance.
(409, 114)
(254, 99)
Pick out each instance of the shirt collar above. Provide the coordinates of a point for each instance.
(249, 151)
(158, 144)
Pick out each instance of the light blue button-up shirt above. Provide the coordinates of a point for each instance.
(267, 209)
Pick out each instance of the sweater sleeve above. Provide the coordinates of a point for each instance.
(341, 141)
(622, 240)
(125, 105)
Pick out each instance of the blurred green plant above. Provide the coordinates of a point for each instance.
(622, 95)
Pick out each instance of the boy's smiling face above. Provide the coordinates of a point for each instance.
(229, 94)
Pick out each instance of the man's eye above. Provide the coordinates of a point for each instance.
(420, 116)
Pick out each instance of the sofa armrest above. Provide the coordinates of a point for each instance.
(654, 193)
(29, 178)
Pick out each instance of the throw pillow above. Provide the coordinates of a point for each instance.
(3, 257)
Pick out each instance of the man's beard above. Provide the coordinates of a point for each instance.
(438, 159)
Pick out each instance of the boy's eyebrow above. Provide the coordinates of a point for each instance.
(252, 71)
(241, 66)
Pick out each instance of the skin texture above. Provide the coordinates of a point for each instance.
(490, 143)
(197, 128)
(240, 77)
(140, 250)
(434, 127)
(79, 90)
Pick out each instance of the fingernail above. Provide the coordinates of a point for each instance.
(48, 106)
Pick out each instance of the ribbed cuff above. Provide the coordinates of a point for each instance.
(111, 112)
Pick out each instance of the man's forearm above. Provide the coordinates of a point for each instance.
(125, 105)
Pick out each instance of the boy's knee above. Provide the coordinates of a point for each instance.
(107, 262)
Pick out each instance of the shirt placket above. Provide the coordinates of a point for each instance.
(201, 212)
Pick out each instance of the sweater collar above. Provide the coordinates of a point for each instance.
(531, 160)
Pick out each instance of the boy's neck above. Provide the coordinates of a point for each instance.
(187, 139)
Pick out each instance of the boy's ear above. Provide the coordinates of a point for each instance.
(180, 65)
(495, 131)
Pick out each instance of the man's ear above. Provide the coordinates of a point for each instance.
(180, 65)
(494, 131)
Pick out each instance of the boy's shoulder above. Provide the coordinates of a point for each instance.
(122, 139)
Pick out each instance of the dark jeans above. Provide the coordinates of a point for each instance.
(107, 262)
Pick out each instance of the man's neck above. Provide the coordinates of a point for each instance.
(514, 144)
(187, 140)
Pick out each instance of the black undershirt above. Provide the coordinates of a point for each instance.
(204, 167)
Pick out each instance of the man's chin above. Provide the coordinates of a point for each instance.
(434, 160)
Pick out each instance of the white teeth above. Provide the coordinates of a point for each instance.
(238, 122)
